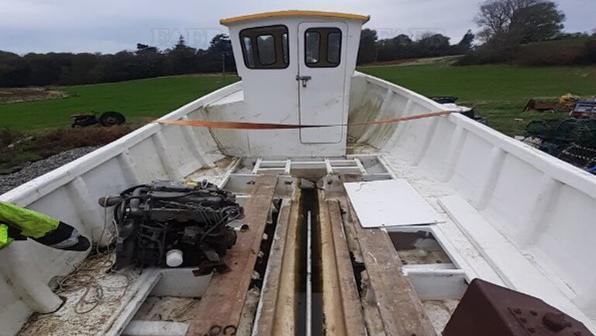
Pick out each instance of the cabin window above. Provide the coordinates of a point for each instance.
(322, 47)
(333, 47)
(313, 41)
(265, 47)
(249, 54)
(284, 41)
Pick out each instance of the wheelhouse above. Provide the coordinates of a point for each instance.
(296, 67)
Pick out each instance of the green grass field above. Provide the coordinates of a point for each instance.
(499, 92)
(138, 99)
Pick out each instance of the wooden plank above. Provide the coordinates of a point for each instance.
(371, 315)
(400, 308)
(350, 299)
(223, 302)
(276, 311)
(334, 321)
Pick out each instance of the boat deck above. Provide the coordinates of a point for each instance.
(358, 276)
(304, 266)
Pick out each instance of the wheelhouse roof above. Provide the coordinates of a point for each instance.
(293, 13)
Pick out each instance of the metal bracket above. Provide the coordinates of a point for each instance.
(303, 79)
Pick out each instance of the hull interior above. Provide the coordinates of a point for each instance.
(509, 214)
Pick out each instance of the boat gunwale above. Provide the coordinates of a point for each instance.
(31, 191)
(541, 161)
(43, 185)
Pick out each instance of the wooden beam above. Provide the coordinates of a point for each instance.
(332, 308)
(276, 315)
(222, 304)
(350, 299)
(399, 307)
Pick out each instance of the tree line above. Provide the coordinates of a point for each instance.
(528, 32)
(510, 31)
(87, 68)
(35, 69)
(403, 46)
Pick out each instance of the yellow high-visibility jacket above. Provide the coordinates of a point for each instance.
(4, 239)
(30, 223)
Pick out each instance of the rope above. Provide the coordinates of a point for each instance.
(84, 277)
(272, 126)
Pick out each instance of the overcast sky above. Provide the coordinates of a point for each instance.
(113, 25)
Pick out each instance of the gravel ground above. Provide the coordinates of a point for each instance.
(38, 168)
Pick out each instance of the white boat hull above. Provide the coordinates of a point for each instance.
(513, 215)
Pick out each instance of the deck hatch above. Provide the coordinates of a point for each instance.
(389, 203)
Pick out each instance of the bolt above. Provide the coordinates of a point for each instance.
(517, 311)
(555, 322)
(531, 330)
(533, 312)
(523, 320)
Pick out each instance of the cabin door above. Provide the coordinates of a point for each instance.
(321, 80)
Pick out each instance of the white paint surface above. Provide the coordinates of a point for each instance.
(322, 97)
(518, 272)
(155, 328)
(181, 282)
(389, 203)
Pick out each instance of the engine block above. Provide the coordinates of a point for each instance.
(173, 224)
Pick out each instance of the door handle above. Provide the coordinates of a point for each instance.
(303, 79)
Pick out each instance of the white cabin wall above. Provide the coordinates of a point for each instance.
(546, 207)
(270, 95)
(70, 193)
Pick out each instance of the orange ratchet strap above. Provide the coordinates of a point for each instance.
(271, 126)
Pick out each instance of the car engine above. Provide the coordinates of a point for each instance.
(175, 225)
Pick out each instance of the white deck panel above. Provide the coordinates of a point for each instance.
(155, 328)
(389, 203)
